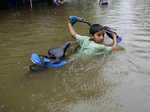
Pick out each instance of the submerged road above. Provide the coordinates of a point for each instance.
(118, 82)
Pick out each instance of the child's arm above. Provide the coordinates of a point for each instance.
(114, 41)
(71, 30)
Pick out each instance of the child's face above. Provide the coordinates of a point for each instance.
(99, 36)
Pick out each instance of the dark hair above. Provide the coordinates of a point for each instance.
(95, 28)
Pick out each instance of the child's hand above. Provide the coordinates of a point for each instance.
(119, 39)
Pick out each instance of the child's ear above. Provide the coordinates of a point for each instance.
(91, 37)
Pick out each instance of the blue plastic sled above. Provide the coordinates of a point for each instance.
(45, 62)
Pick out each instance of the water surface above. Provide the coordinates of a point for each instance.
(118, 82)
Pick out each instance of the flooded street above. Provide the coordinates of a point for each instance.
(118, 82)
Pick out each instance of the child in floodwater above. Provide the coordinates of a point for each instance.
(92, 45)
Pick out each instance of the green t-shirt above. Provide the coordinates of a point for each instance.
(90, 47)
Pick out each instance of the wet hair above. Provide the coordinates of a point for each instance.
(95, 28)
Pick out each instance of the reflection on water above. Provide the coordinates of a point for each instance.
(118, 82)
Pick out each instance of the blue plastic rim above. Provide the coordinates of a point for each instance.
(35, 58)
(119, 39)
(73, 19)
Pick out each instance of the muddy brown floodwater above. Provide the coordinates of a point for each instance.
(118, 82)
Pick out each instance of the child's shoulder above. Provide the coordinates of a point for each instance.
(78, 36)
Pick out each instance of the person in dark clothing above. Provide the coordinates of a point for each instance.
(103, 2)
